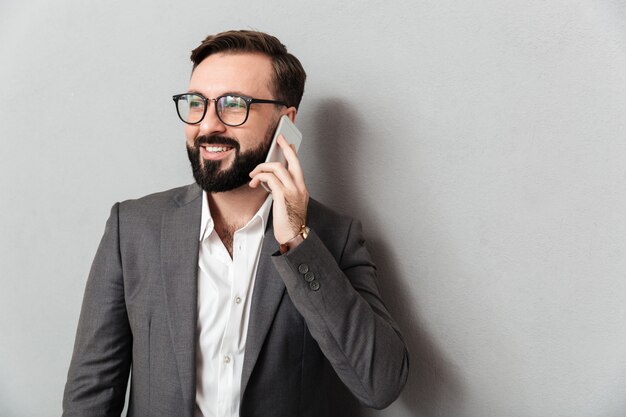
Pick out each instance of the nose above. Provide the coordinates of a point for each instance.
(211, 124)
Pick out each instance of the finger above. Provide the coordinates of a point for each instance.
(273, 183)
(267, 167)
(279, 171)
(292, 160)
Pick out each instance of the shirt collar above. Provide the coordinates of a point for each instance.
(206, 221)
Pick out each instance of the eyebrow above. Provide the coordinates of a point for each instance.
(232, 93)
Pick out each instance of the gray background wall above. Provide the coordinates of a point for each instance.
(482, 144)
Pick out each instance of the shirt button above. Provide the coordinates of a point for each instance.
(303, 268)
(226, 359)
(238, 300)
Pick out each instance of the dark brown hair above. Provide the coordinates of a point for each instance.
(289, 75)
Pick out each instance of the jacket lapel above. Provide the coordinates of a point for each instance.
(180, 229)
(268, 291)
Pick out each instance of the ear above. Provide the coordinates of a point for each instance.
(291, 112)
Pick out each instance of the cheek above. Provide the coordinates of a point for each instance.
(255, 135)
(190, 133)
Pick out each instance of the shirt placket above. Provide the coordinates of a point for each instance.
(232, 337)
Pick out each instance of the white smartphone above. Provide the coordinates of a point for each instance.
(293, 136)
(290, 132)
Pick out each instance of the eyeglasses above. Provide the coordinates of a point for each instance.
(231, 109)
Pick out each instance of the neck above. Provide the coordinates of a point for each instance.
(236, 207)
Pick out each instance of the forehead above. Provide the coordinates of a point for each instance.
(244, 73)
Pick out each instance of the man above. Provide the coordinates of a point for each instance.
(227, 300)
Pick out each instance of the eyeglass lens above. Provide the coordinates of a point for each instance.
(231, 110)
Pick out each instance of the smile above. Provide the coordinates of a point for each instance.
(215, 152)
(216, 148)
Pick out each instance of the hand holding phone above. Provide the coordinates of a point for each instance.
(293, 136)
(290, 194)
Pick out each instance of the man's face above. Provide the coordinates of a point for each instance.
(222, 156)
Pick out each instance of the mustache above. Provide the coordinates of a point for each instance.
(215, 140)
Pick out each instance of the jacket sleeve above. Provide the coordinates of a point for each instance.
(341, 304)
(98, 373)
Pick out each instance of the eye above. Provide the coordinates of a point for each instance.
(233, 103)
(196, 103)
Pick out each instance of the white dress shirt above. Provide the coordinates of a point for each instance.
(225, 288)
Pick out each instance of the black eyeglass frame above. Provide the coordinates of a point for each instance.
(248, 100)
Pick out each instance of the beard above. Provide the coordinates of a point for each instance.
(208, 174)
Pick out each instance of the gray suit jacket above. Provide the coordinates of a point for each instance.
(316, 319)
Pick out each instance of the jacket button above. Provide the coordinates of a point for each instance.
(314, 285)
(309, 276)
(303, 268)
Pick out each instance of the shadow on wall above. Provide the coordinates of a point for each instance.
(433, 387)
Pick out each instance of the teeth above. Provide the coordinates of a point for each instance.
(215, 148)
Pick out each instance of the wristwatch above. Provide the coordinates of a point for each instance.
(300, 237)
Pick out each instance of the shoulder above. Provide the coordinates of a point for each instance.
(321, 215)
(159, 201)
(149, 209)
(331, 226)
(142, 217)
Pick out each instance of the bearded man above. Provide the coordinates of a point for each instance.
(226, 299)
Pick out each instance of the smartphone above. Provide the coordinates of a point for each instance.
(293, 136)
(291, 133)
